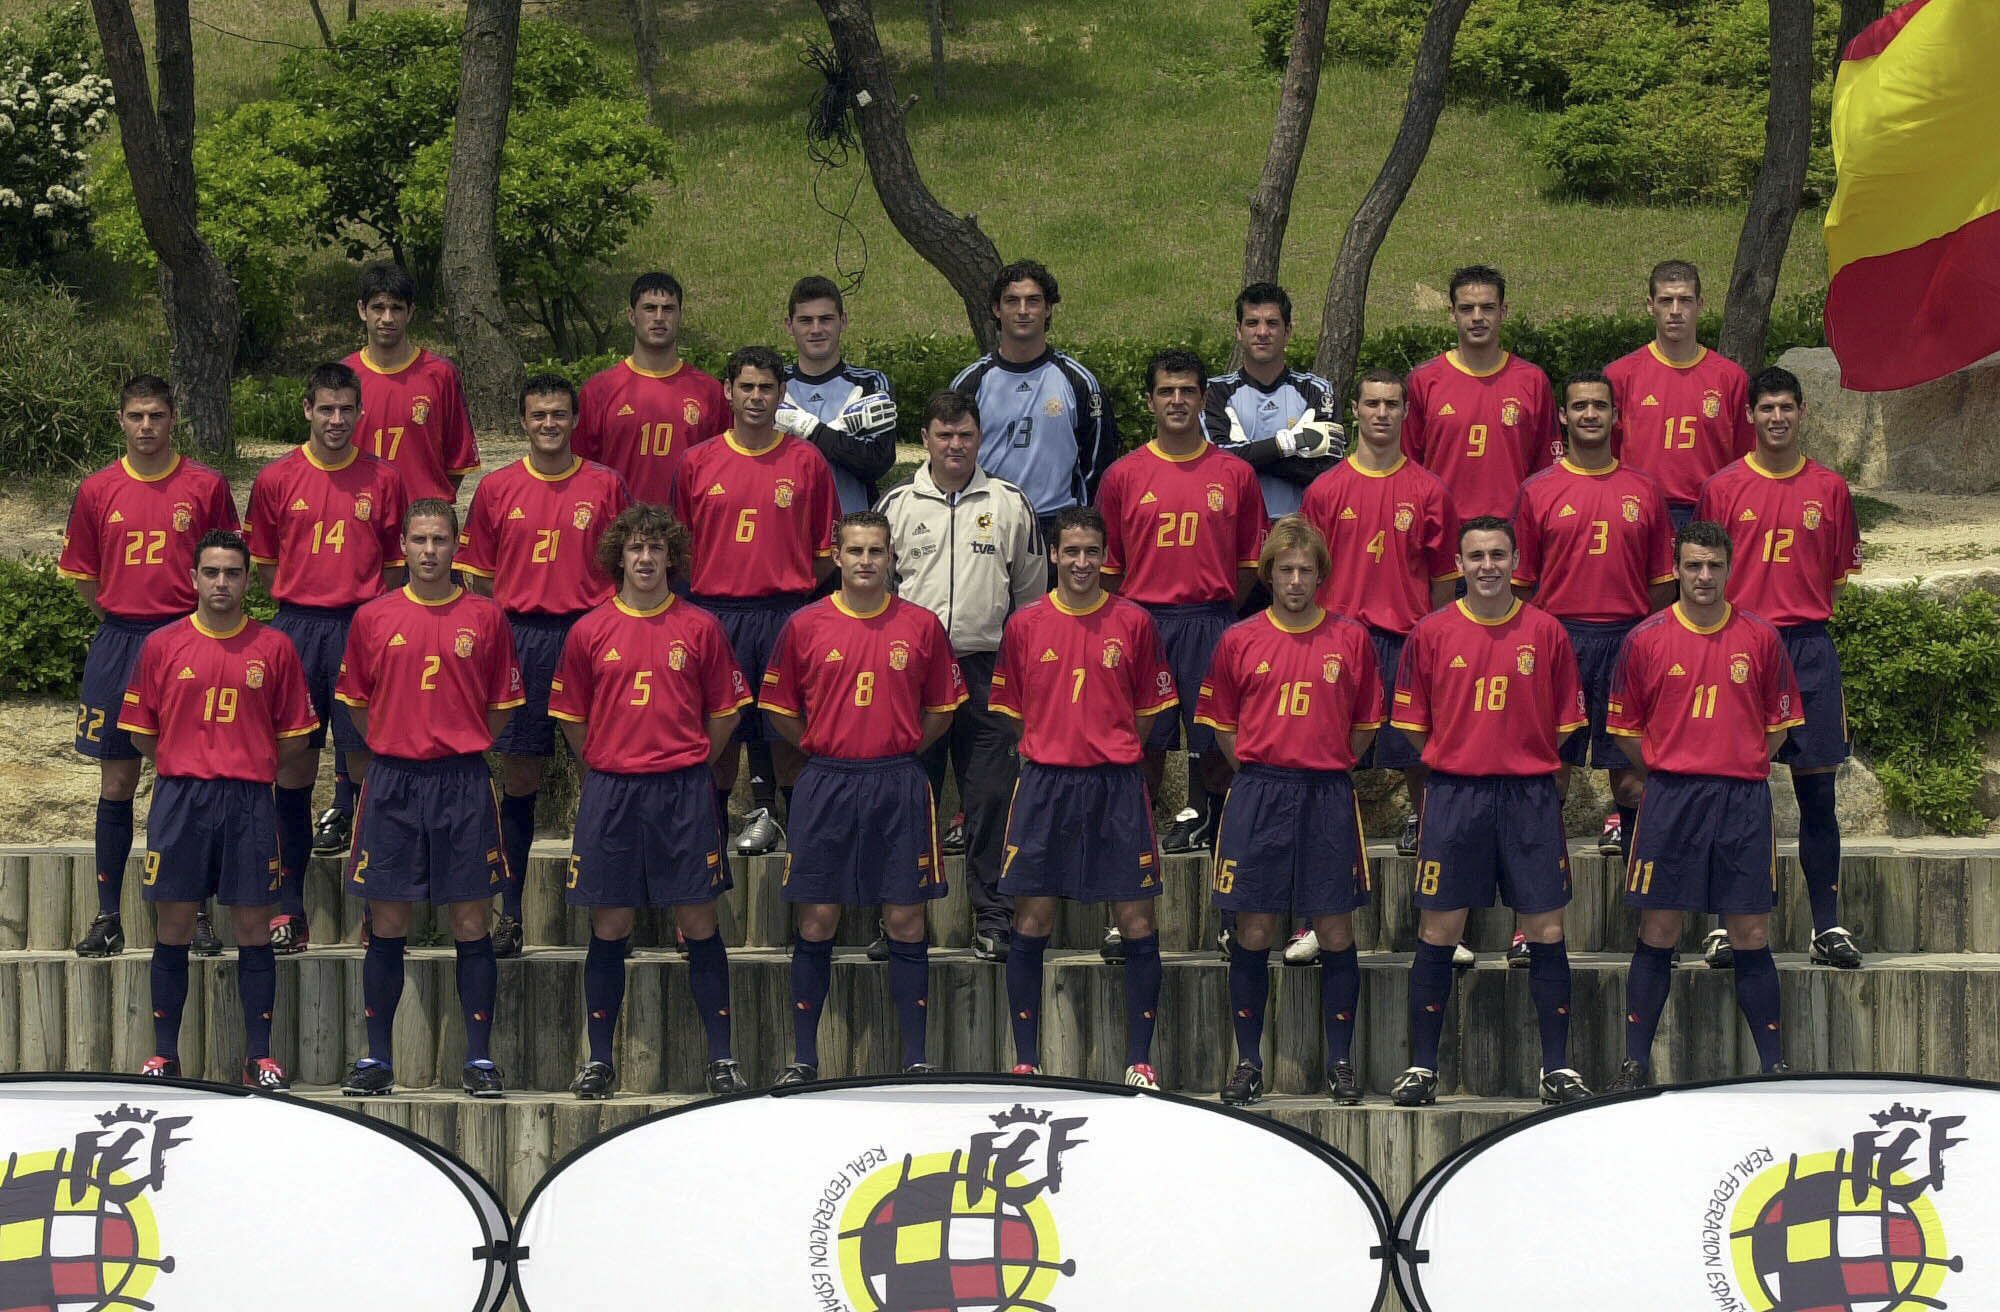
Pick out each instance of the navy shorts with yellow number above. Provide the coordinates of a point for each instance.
(427, 831)
(1822, 739)
(319, 635)
(752, 625)
(212, 838)
(1596, 647)
(1487, 834)
(107, 672)
(538, 644)
(646, 840)
(1703, 843)
(1390, 750)
(1188, 638)
(863, 833)
(1080, 832)
(1290, 844)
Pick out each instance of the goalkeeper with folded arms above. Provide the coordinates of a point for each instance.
(846, 411)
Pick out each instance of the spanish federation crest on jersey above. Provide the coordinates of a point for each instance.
(420, 409)
(253, 674)
(1739, 667)
(1510, 411)
(691, 412)
(1406, 515)
(1114, 651)
(899, 655)
(1215, 497)
(1711, 404)
(783, 492)
(1524, 658)
(183, 516)
(1629, 507)
(1811, 515)
(1329, 669)
(580, 515)
(464, 642)
(364, 506)
(677, 656)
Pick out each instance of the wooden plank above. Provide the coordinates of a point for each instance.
(1294, 1042)
(530, 1142)
(48, 902)
(1194, 1046)
(968, 1016)
(1982, 904)
(42, 1015)
(131, 1011)
(16, 870)
(10, 1016)
(1941, 907)
(641, 1040)
(417, 1039)
(1943, 1021)
(87, 1016)
(316, 979)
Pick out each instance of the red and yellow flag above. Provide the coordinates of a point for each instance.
(1913, 235)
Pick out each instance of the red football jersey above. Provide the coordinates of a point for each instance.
(415, 418)
(646, 683)
(1179, 527)
(863, 682)
(428, 671)
(1592, 543)
(136, 536)
(536, 537)
(1079, 680)
(1481, 433)
(1391, 534)
(644, 424)
(1495, 696)
(759, 521)
(1680, 423)
(1292, 696)
(1703, 699)
(1795, 536)
(219, 702)
(329, 529)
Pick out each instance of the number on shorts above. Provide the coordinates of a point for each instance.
(575, 862)
(1428, 874)
(152, 869)
(1225, 875)
(90, 723)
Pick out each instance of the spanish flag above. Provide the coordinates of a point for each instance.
(1913, 235)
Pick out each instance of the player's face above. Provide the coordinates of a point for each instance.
(753, 396)
(1703, 572)
(1378, 414)
(816, 327)
(387, 319)
(1588, 414)
(1079, 558)
(656, 320)
(1023, 311)
(333, 416)
(549, 419)
(863, 559)
(647, 564)
(148, 422)
(1486, 559)
(1262, 333)
(1295, 579)
(953, 446)
(1776, 417)
(1175, 400)
(1477, 312)
(220, 578)
(1676, 309)
(428, 546)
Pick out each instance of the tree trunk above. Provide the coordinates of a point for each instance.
(934, 12)
(1774, 201)
(643, 18)
(325, 31)
(1271, 203)
(469, 266)
(1854, 16)
(199, 295)
(1343, 317)
(953, 245)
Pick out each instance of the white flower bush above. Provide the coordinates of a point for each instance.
(52, 105)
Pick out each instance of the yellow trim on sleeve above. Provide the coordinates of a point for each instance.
(262, 560)
(746, 700)
(1664, 578)
(1446, 578)
(72, 574)
(1571, 727)
(472, 569)
(465, 469)
(351, 700)
(1406, 724)
(776, 709)
(506, 706)
(963, 698)
(298, 733)
(1007, 711)
(1155, 710)
(1366, 724)
(1627, 733)
(565, 716)
(1785, 724)
(1214, 724)
(133, 728)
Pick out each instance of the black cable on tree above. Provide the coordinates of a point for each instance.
(830, 142)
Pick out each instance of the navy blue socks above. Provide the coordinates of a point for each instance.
(1339, 996)
(1430, 990)
(1142, 997)
(113, 840)
(1024, 995)
(1646, 986)
(604, 992)
(257, 988)
(909, 989)
(294, 807)
(1757, 995)
(708, 981)
(812, 975)
(170, 991)
(1249, 993)
(517, 835)
(381, 992)
(1819, 847)
(1549, 985)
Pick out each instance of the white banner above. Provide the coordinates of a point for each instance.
(978, 1197)
(118, 1194)
(1833, 1194)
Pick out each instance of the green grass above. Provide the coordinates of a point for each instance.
(1871, 511)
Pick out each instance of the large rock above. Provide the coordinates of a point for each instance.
(1938, 437)
(1858, 802)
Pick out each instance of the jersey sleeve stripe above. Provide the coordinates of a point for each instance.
(1572, 726)
(74, 574)
(1664, 578)
(1792, 723)
(507, 705)
(1631, 733)
(1217, 725)
(775, 709)
(263, 560)
(1155, 710)
(351, 700)
(129, 727)
(1411, 724)
(298, 733)
(565, 716)
(464, 568)
(465, 469)
(963, 698)
(1366, 724)
(1447, 578)
(1007, 711)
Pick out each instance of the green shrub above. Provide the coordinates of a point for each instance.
(267, 408)
(59, 380)
(53, 104)
(45, 630)
(1273, 21)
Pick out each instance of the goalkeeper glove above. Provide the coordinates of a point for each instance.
(874, 411)
(791, 419)
(1312, 437)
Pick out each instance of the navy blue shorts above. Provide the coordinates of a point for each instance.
(863, 834)
(1680, 513)
(752, 625)
(1390, 750)
(212, 838)
(1822, 739)
(1703, 843)
(1081, 832)
(107, 673)
(319, 635)
(427, 831)
(646, 840)
(538, 644)
(1188, 636)
(1290, 843)
(1487, 834)
(1596, 646)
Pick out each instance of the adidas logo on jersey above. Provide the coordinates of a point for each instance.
(1566, 510)
(398, 641)
(1347, 512)
(1677, 671)
(1446, 409)
(1024, 387)
(117, 517)
(300, 504)
(815, 398)
(1458, 662)
(1748, 514)
(624, 410)
(612, 655)
(833, 655)
(517, 513)
(1148, 499)
(1049, 654)
(186, 673)
(1650, 400)
(715, 490)
(920, 528)
(1263, 667)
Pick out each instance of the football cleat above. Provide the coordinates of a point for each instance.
(1139, 1075)
(1191, 832)
(1836, 948)
(725, 1076)
(1463, 957)
(507, 937)
(879, 949)
(104, 938)
(369, 1079)
(1415, 1087)
(333, 833)
(1631, 1075)
(1406, 842)
(1612, 841)
(205, 943)
(161, 1068)
(1517, 952)
(952, 841)
(1303, 950)
(481, 1079)
(760, 834)
(289, 935)
(1245, 1086)
(1562, 1086)
(1343, 1085)
(922, 1068)
(1225, 938)
(1780, 1068)
(265, 1074)
(1112, 949)
(1715, 950)
(597, 1079)
(1025, 1068)
(990, 944)
(797, 1073)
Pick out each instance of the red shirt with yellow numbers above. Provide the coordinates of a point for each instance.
(1497, 697)
(536, 536)
(1703, 699)
(1079, 680)
(219, 702)
(136, 535)
(1292, 696)
(759, 521)
(1481, 433)
(646, 682)
(415, 418)
(1680, 422)
(643, 424)
(1592, 542)
(1391, 535)
(1179, 527)
(863, 682)
(428, 671)
(330, 529)
(1795, 537)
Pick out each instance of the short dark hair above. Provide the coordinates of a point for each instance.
(1486, 524)
(1176, 360)
(1386, 376)
(386, 277)
(1774, 381)
(1027, 271)
(657, 281)
(1703, 533)
(813, 287)
(332, 377)
(1588, 376)
(223, 539)
(547, 383)
(1673, 271)
(1069, 517)
(949, 407)
(431, 508)
(1265, 293)
(151, 387)
(862, 519)
(648, 523)
(1477, 275)
(754, 357)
